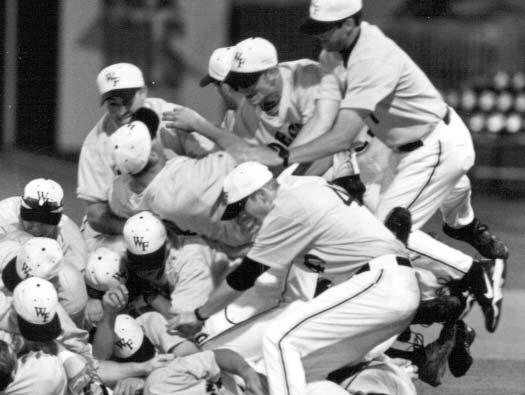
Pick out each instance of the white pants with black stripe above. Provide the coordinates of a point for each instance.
(430, 178)
(340, 326)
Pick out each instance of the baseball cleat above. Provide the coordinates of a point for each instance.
(460, 360)
(488, 276)
(478, 236)
(432, 360)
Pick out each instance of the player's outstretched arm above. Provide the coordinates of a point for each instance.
(102, 219)
(321, 122)
(232, 362)
(347, 126)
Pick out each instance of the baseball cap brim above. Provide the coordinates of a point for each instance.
(206, 80)
(233, 209)
(40, 333)
(242, 80)
(10, 276)
(314, 27)
(126, 94)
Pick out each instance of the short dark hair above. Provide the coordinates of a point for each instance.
(242, 80)
(7, 365)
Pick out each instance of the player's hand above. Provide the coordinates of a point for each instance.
(185, 324)
(182, 118)
(94, 311)
(129, 386)
(157, 362)
(115, 299)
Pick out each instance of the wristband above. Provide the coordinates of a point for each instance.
(198, 315)
(284, 154)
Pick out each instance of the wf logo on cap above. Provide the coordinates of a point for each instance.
(42, 312)
(140, 243)
(112, 78)
(123, 343)
(26, 270)
(239, 59)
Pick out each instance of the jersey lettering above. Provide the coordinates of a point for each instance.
(200, 338)
(342, 194)
(314, 263)
(42, 312)
(139, 242)
(122, 344)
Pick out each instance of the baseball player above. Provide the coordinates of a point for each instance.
(187, 192)
(308, 218)
(33, 373)
(218, 68)
(105, 270)
(39, 213)
(166, 276)
(123, 91)
(282, 104)
(431, 147)
(42, 257)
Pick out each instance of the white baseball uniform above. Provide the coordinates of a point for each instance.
(69, 236)
(300, 91)
(154, 326)
(335, 236)
(95, 168)
(379, 77)
(38, 373)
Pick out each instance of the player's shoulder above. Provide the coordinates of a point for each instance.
(303, 72)
(94, 135)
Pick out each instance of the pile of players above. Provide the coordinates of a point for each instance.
(278, 252)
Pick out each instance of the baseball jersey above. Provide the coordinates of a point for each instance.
(381, 78)
(196, 374)
(321, 224)
(95, 167)
(300, 91)
(154, 326)
(186, 192)
(38, 373)
(69, 236)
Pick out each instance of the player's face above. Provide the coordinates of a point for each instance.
(258, 205)
(39, 229)
(258, 92)
(120, 109)
(334, 39)
(229, 96)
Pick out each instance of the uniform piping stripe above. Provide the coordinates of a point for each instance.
(376, 281)
(429, 178)
(436, 259)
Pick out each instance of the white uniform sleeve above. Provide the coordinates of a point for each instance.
(190, 274)
(369, 81)
(283, 236)
(188, 375)
(154, 326)
(94, 176)
(73, 243)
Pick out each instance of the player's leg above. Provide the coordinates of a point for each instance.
(460, 222)
(348, 319)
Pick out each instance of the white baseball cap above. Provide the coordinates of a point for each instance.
(38, 257)
(118, 77)
(131, 147)
(323, 13)
(253, 55)
(104, 270)
(130, 343)
(240, 183)
(219, 65)
(145, 235)
(35, 301)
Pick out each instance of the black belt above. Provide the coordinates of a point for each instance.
(414, 145)
(400, 261)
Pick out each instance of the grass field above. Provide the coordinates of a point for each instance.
(499, 367)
